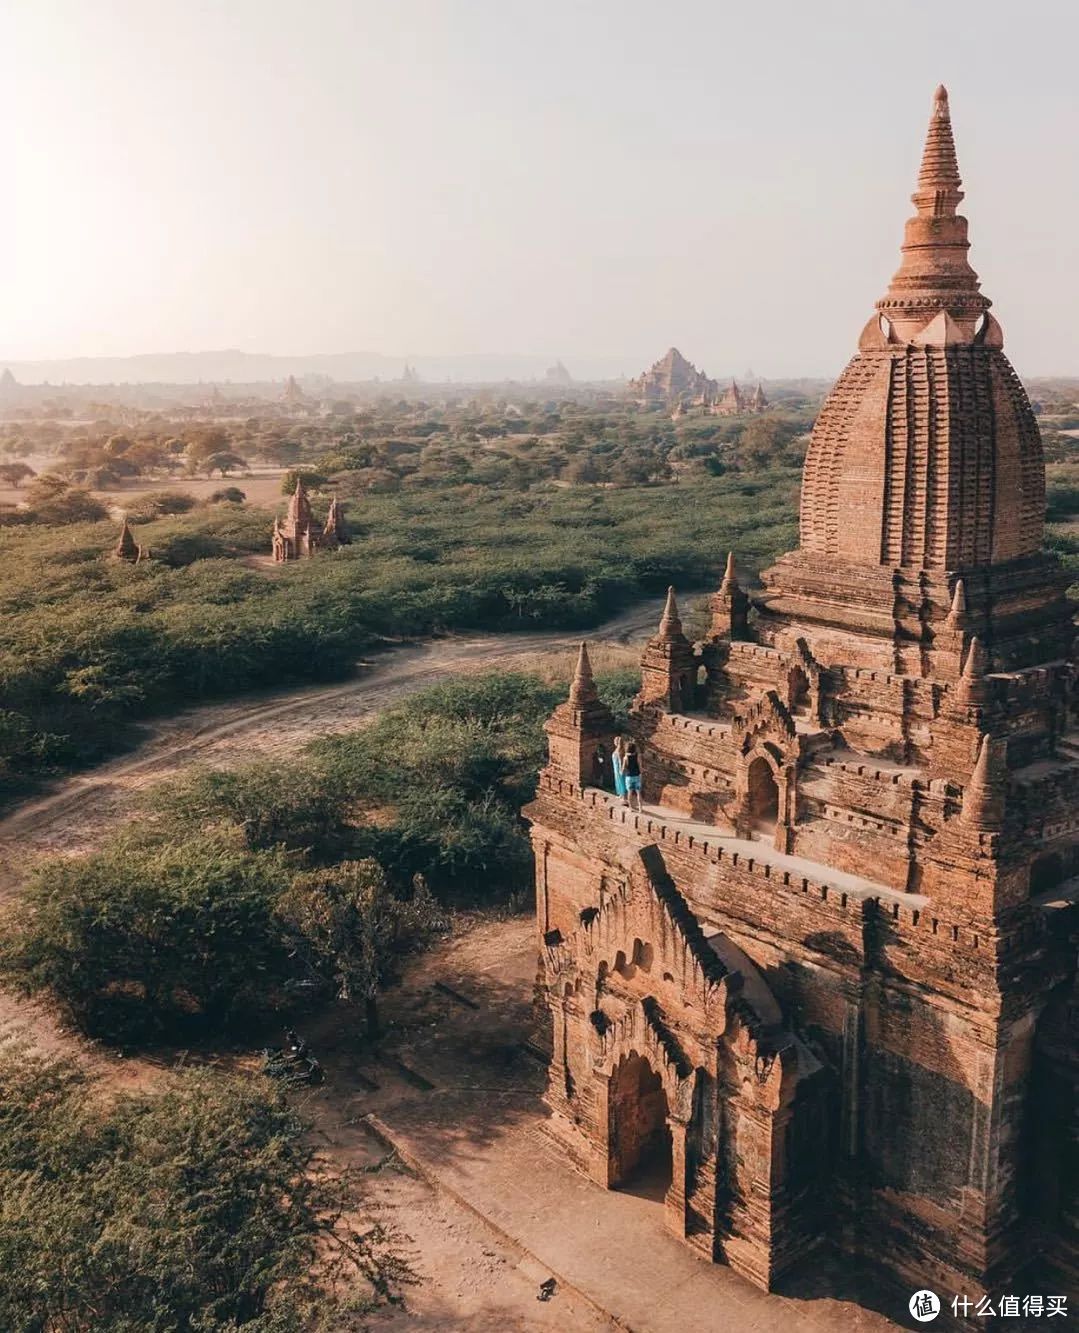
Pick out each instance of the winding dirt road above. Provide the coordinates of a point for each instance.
(76, 812)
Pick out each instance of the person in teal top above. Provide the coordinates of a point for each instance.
(616, 767)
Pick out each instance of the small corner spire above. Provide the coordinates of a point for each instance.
(583, 688)
(670, 625)
(975, 665)
(730, 577)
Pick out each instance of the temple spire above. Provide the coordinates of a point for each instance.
(939, 193)
(670, 626)
(583, 688)
(935, 298)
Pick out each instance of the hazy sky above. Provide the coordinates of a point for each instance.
(589, 180)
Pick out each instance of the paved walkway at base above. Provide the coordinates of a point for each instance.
(610, 1246)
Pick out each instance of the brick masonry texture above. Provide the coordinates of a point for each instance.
(825, 982)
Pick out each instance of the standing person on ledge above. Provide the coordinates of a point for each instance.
(617, 758)
(631, 767)
(599, 768)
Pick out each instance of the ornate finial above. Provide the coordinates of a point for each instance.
(670, 624)
(730, 579)
(583, 689)
(934, 278)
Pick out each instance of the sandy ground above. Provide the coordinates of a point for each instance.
(261, 486)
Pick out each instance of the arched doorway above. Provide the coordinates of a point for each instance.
(762, 796)
(640, 1138)
(798, 692)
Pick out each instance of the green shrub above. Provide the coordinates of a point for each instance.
(200, 1208)
(143, 940)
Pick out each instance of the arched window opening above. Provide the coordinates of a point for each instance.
(763, 796)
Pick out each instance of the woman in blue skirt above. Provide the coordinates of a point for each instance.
(617, 755)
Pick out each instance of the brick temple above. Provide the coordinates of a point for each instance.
(298, 535)
(823, 988)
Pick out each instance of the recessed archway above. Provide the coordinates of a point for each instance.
(798, 692)
(640, 1137)
(762, 795)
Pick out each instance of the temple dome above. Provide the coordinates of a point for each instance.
(926, 453)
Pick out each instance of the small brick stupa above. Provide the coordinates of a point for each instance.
(823, 987)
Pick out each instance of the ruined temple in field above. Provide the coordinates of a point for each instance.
(737, 401)
(673, 380)
(298, 534)
(127, 548)
(676, 383)
(824, 985)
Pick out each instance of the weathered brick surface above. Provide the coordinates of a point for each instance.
(834, 977)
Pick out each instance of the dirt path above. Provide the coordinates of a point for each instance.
(75, 813)
(471, 1276)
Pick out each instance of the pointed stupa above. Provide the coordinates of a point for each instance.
(959, 602)
(583, 689)
(983, 797)
(973, 688)
(729, 605)
(336, 530)
(299, 507)
(935, 284)
(126, 548)
(977, 660)
(670, 624)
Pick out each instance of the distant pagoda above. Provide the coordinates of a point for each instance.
(293, 395)
(673, 380)
(298, 535)
(676, 383)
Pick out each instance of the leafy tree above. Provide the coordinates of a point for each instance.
(53, 500)
(223, 463)
(312, 480)
(348, 925)
(228, 495)
(16, 473)
(203, 1207)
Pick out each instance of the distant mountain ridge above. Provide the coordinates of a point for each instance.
(340, 367)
